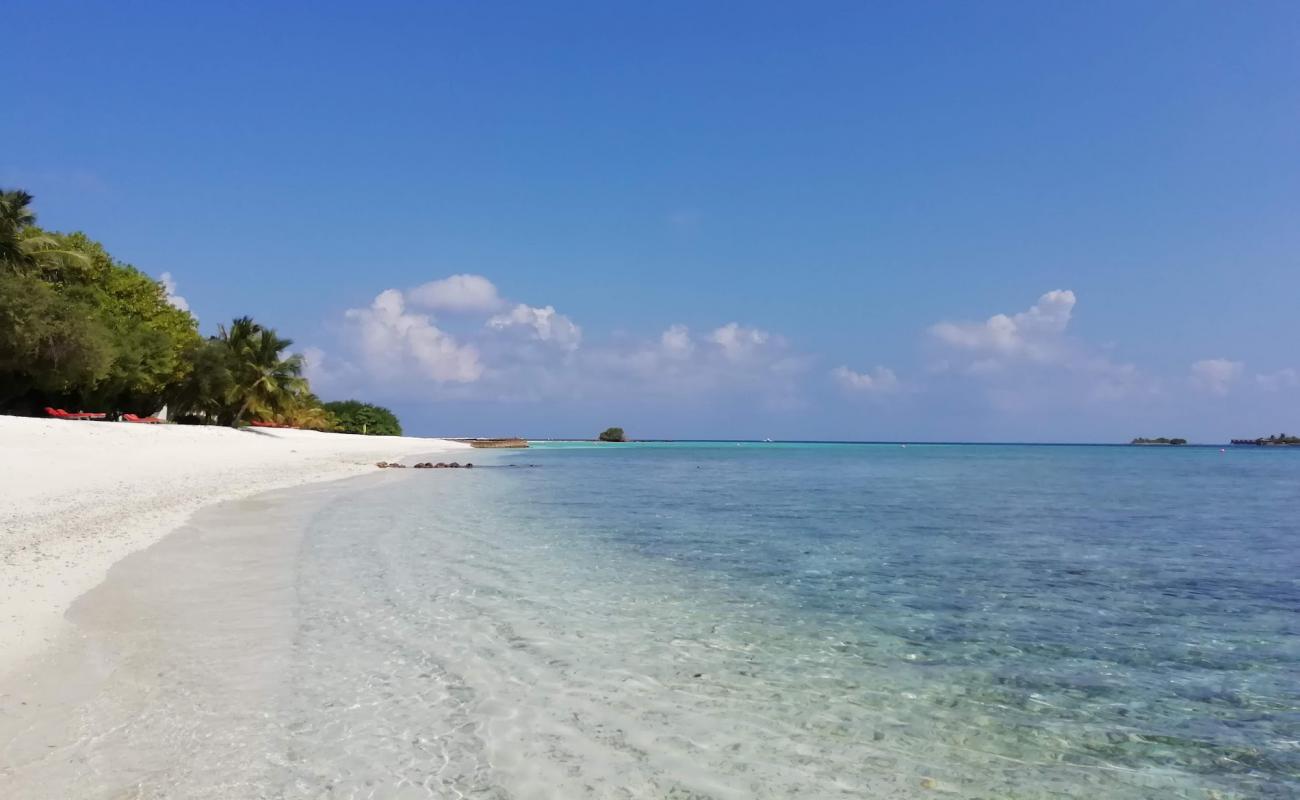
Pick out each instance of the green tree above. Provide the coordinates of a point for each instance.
(24, 248)
(305, 410)
(51, 346)
(142, 335)
(205, 390)
(148, 334)
(613, 435)
(240, 374)
(354, 416)
(264, 380)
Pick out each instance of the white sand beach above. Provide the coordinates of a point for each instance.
(75, 497)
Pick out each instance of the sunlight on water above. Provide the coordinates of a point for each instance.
(701, 622)
(669, 622)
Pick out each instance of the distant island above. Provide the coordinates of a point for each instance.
(1279, 440)
(1160, 440)
(498, 443)
(613, 435)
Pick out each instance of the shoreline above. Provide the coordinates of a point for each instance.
(81, 496)
(214, 601)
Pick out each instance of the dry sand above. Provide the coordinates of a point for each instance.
(75, 497)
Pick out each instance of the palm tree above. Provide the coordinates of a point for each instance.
(16, 216)
(304, 410)
(264, 381)
(24, 248)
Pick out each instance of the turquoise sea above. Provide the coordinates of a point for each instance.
(786, 620)
(712, 620)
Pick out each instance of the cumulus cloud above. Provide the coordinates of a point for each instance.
(1029, 358)
(1285, 378)
(169, 286)
(1216, 375)
(878, 381)
(729, 360)
(738, 342)
(459, 293)
(1033, 335)
(676, 342)
(394, 341)
(542, 324)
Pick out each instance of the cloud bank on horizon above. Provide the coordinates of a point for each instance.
(461, 338)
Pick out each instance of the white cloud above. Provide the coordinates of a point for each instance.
(878, 381)
(676, 342)
(1033, 335)
(1216, 375)
(731, 360)
(543, 324)
(1029, 358)
(461, 293)
(393, 341)
(1285, 378)
(169, 286)
(738, 342)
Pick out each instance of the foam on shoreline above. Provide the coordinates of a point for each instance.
(79, 496)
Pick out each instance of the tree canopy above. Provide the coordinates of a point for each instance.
(613, 435)
(79, 328)
(353, 416)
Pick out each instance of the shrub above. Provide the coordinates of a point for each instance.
(354, 416)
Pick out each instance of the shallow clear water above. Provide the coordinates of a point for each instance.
(780, 621)
(711, 621)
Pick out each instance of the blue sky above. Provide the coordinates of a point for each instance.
(770, 219)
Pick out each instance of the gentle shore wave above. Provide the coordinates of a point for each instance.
(705, 621)
(80, 496)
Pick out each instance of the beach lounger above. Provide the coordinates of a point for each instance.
(145, 420)
(59, 413)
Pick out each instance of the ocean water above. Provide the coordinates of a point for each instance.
(724, 621)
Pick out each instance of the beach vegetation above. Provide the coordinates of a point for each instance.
(25, 249)
(79, 328)
(613, 435)
(1274, 439)
(241, 375)
(51, 345)
(1158, 440)
(87, 330)
(353, 416)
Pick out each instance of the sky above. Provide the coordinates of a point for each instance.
(861, 221)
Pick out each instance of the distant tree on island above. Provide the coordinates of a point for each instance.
(1160, 440)
(353, 416)
(613, 435)
(1275, 439)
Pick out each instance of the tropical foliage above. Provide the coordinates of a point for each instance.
(240, 375)
(80, 329)
(353, 416)
(613, 435)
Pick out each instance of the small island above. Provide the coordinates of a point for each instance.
(613, 435)
(1278, 440)
(1160, 440)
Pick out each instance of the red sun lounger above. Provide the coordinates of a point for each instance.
(146, 420)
